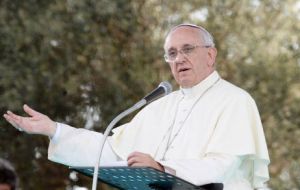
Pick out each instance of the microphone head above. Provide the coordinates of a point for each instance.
(163, 89)
(167, 87)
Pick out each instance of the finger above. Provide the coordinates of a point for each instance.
(18, 120)
(30, 111)
(131, 155)
(13, 116)
(6, 116)
(135, 154)
(9, 120)
(134, 160)
(138, 165)
(131, 161)
(154, 165)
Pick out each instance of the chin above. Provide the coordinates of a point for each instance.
(186, 85)
(185, 82)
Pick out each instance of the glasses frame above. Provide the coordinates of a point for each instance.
(182, 51)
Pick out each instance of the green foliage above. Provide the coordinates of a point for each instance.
(88, 60)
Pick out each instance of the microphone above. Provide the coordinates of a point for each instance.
(163, 89)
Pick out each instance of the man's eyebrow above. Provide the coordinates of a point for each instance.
(186, 45)
(171, 49)
(182, 46)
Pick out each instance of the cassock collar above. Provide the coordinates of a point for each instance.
(201, 87)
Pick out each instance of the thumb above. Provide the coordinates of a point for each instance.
(30, 111)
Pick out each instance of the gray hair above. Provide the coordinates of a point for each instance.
(206, 36)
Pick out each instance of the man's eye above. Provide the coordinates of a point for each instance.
(187, 49)
(172, 54)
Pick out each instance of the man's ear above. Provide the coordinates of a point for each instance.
(212, 54)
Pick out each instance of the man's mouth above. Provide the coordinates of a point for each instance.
(183, 70)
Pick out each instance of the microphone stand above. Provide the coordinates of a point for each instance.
(136, 106)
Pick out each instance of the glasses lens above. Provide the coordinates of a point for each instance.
(187, 50)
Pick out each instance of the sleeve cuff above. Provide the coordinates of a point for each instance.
(57, 132)
(167, 168)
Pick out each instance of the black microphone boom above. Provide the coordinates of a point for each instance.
(163, 88)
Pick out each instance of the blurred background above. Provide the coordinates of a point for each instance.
(83, 62)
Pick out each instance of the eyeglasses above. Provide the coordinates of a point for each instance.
(172, 54)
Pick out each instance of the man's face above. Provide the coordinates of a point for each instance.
(189, 69)
(5, 187)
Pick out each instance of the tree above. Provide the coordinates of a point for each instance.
(82, 62)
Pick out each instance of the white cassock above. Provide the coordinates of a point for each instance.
(209, 133)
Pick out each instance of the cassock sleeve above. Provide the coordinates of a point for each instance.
(214, 168)
(78, 147)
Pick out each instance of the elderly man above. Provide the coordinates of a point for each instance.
(208, 131)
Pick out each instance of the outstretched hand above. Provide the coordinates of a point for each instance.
(36, 123)
(141, 159)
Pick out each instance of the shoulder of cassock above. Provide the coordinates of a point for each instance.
(240, 132)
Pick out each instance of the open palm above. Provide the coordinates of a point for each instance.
(36, 123)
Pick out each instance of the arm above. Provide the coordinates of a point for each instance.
(214, 168)
(78, 147)
(70, 146)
